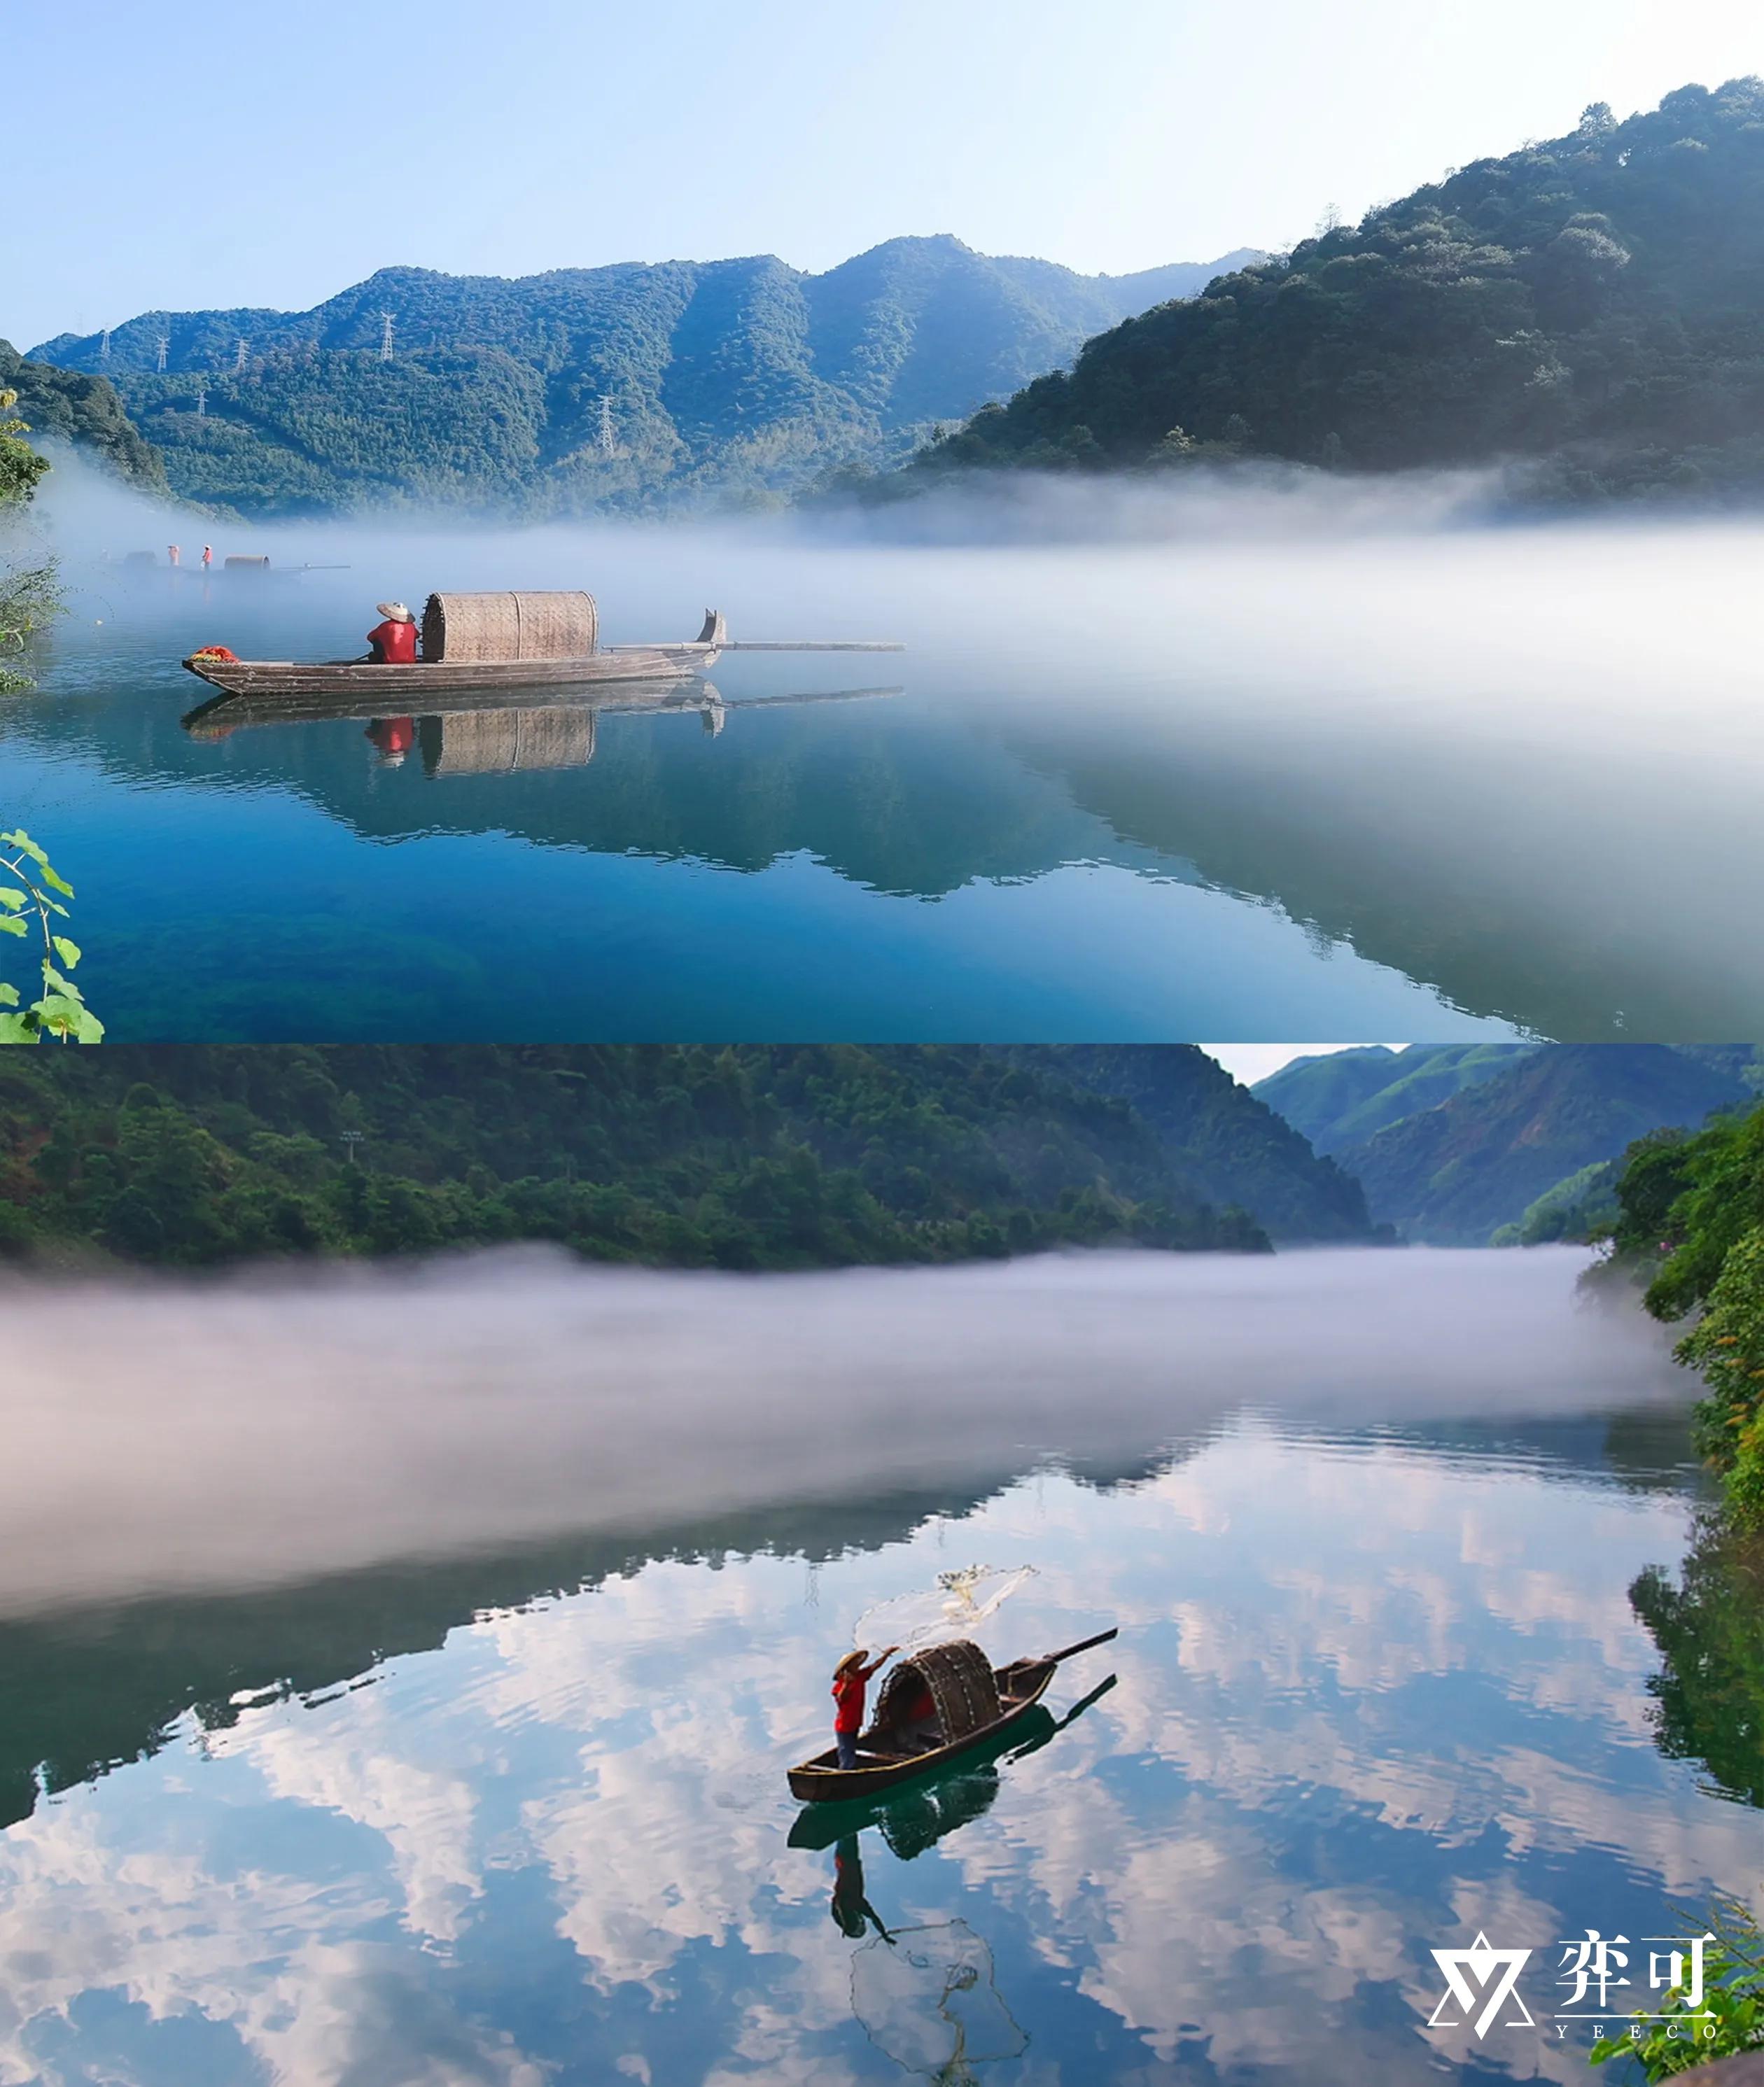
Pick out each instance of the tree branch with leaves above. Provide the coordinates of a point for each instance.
(28, 908)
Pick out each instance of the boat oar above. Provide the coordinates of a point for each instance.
(1083, 1644)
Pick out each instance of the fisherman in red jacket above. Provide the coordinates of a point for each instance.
(393, 642)
(850, 1678)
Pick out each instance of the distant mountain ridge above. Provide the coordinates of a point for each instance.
(742, 376)
(1346, 1097)
(1454, 1171)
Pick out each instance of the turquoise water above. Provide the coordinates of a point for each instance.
(517, 1815)
(1207, 804)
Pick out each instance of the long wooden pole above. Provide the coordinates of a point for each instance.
(1083, 1644)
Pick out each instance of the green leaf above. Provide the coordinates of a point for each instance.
(23, 843)
(9, 995)
(9, 924)
(52, 977)
(57, 883)
(18, 1029)
(12, 898)
(68, 952)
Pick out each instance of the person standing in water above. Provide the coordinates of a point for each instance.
(393, 642)
(850, 1678)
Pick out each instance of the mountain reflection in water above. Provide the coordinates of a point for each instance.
(507, 1803)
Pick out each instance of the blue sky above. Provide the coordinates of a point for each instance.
(181, 156)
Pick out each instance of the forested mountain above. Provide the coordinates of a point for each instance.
(750, 1157)
(1229, 1144)
(83, 409)
(1345, 1097)
(1454, 1174)
(726, 378)
(1596, 299)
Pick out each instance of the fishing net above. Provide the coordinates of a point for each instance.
(960, 1602)
(926, 1997)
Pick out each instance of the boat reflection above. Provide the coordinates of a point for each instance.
(914, 1816)
(487, 732)
(925, 1996)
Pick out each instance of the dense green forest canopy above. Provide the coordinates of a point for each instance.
(1596, 299)
(740, 379)
(1690, 1222)
(87, 410)
(748, 1157)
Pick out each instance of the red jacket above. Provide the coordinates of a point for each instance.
(395, 642)
(848, 1693)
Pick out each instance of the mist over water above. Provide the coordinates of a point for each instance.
(1282, 760)
(246, 1431)
(508, 1806)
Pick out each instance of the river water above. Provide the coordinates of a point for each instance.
(1424, 786)
(425, 1721)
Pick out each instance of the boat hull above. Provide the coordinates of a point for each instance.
(821, 1780)
(401, 688)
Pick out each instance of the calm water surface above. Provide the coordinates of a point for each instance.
(1455, 786)
(518, 1816)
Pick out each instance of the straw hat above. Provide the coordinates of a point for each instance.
(395, 610)
(851, 1659)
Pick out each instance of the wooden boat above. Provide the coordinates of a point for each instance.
(222, 716)
(938, 1799)
(976, 1705)
(500, 641)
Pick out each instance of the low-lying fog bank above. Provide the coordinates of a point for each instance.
(276, 1425)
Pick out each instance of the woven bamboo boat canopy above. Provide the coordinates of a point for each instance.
(510, 627)
(959, 1677)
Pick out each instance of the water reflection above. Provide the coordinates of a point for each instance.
(1708, 1624)
(1233, 831)
(1372, 1694)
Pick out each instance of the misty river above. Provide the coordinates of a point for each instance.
(1278, 776)
(398, 1670)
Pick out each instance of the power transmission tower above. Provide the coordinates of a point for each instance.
(202, 401)
(386, 335)
(352, 1139)
(238, 361)
(104, 346)
(608, 447)
(165, 342)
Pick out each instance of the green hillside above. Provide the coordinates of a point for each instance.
(1451, 1175)
(723, 379)
(1596, 299)
(753, 1157)
(87, 410)
(1346, 1097)
(1690, 1223)
(1229, 1144)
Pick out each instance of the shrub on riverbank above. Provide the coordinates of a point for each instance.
(1691, 1218)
